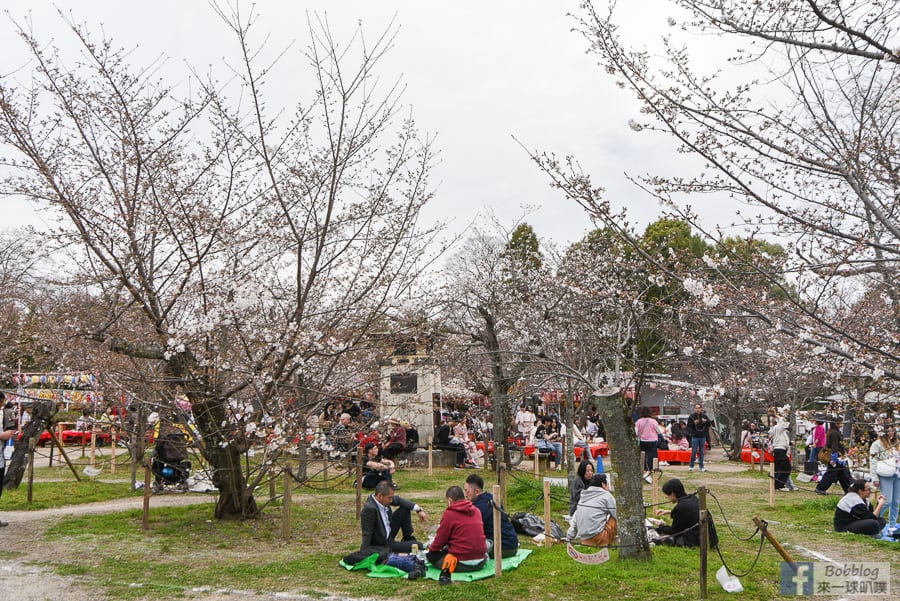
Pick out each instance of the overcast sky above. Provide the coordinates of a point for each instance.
(476, 74)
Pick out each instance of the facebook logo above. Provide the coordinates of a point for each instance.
(799, 582)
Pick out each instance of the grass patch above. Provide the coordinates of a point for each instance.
(186, 548)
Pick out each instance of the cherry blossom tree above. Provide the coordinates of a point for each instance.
(809, 137)
(242, 252)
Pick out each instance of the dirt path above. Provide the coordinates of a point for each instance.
(21, 572)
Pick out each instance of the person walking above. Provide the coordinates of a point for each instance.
(648, 431)
(837, 466)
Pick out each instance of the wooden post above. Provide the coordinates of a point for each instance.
(498, 540)
(762, 460)
(325, 463)
(359, 479)
(112, 449)
(145, 522)
(537, 462)
(643, 460)
(547, 542)
(430, 458)
(654, 494)
(286, 506)
(763, 527)
(704, 541)
(771, 485)
(63, 454)
(93, 445)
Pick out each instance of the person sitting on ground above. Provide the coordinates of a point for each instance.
(594, 520)
(581, 481)
(685, 528)
(484, 502)
(396, 443)
(376, 468)
(459, 543)
(855, 514)
(380, 525)
(444, 440)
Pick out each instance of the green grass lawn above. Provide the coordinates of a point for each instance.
(186, 548)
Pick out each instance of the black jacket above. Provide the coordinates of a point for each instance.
(508, 537)
(373, 534)
(686, 523)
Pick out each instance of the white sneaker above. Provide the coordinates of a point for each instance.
(690, 469)
(662, 463)
(702, 469)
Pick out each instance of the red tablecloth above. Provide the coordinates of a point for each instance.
(600, 448)
(674, 456)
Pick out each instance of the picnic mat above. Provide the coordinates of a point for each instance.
(509, 563)
(386, 571)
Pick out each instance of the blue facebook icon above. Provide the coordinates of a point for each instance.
(799, 582)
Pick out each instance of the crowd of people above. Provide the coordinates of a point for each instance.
(464, 539)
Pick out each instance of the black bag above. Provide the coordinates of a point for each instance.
(663, 444)
(532, 525)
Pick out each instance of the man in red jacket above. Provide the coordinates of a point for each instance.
(459, 543)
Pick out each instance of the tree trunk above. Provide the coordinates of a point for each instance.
(623, 447)
(235, 498)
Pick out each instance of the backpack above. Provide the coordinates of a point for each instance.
(532, 525)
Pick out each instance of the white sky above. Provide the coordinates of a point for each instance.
(476, 74)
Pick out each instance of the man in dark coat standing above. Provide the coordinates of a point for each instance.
(698, 428)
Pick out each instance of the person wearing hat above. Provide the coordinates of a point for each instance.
(396, 443)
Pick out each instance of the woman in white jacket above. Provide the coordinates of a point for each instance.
(884, 455)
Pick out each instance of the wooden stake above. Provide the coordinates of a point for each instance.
(430, 458)
(145, 522)
(781, 551)
(771, 485)
(112, 450)
(547, 541)
(286, 507)
(654, 494)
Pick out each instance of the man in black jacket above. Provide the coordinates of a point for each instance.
(380, 524)
(484, 501)
(685, 528)
(698, 429)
